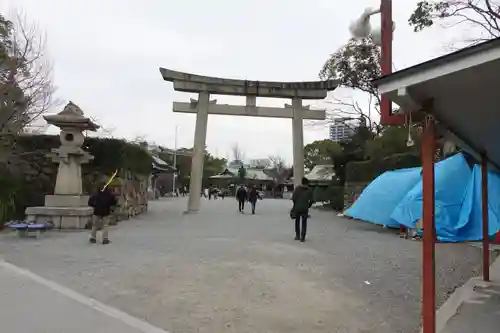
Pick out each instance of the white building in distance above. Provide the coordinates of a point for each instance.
(341, 130)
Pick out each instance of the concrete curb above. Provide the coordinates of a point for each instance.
(462, 294)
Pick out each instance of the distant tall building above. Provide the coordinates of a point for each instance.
(340, 131)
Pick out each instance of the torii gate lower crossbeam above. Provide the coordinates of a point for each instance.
(204, 86)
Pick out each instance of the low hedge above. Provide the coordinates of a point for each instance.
(336, 195)
(109, 154)
(361, 171)
(400, 161)
(368, 170)
(332, 194)
(8, 195)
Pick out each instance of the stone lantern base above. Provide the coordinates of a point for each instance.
(65, 211)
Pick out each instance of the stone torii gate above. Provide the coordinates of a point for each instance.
(206, 85)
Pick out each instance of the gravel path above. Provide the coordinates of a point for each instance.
(219, 271)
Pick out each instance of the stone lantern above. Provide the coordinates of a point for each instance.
(67, 207)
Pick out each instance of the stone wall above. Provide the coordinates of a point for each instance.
(352, 190)
(130, 191)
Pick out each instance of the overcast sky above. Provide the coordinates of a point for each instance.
(107, 53)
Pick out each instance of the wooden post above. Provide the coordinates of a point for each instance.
(486, 236)
(428, 245)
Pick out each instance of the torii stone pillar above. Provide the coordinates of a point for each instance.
(198, 159)
(298, 141)
(205, 85)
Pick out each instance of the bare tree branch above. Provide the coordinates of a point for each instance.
(104, 131)
(347, 110)
(482, 17)
(278, 171)
(277, 161)
(27, 80)
(238, 154)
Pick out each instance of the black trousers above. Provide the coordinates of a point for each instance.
(241, 204)
(301, 232)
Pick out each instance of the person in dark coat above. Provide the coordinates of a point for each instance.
(253, 196)
(103, 200)
(302, 200)
(241, 196)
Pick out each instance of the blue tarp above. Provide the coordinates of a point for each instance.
(469, 226)
(378, 200)
(452, 179)
(395, 198)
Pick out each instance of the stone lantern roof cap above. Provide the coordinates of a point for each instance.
(71, 117)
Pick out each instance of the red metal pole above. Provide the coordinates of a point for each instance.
(386, 116)
(428, 245)
(486, 236)
(386, 54)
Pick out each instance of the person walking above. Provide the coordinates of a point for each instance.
(302, 200)
(253, 196)
(241, 196)
(102, 201)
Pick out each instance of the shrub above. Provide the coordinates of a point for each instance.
(109, 154)
(331, 194)
(319, 194)
(400, 161)
(361, 171)
(368, 170)
(29, 175)
(8, 193)
(336, 195)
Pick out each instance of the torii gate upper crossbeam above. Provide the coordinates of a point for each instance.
(193, 83)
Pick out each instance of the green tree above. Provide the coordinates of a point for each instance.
(321, 152)
(211, 166)
(278, 171)
(481, 17)
(5, 41)
(392, 140)
(355, 65)
(353, 149)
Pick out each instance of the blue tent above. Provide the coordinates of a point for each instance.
(469, 225)
(395, 198)
(378, 200)
(452, 179)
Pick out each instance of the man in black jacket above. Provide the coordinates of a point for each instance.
(302, 200)
(241, 196)
(102, 201)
